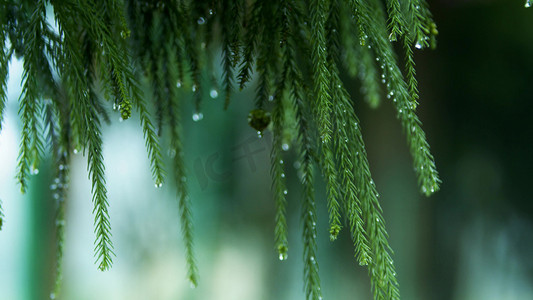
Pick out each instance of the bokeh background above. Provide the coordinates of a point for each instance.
(472, 240)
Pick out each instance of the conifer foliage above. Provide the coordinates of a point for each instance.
(81, 57)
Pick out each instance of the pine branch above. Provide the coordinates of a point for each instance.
(308, 214)
(231, 26)
(321, 76)
(397, 88)
(5, 57)
(104, 246)
(86, 128)
(424, 28)
(253, 30)
(277, 172)
(396, 19)
(179, 170)
(29, 111)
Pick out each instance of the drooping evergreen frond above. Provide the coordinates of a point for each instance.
(179, 170)
(5, 57)
(138, 54)
(30, 105)
(305, 147)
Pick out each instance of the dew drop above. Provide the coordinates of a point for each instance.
(197, 117)
(418, 45)
(192, 284)
(158, 184)
(178, 84)
(285, 147)
(413, 129)
(172, 153)
(61, 167)
(201, 21)
(285, 192)
(34, 170)
(76, 151)
(424, 190)
(213, 93)
(259, 134)
(283, 176)
(271, 98)
(283, 256)
(194, 88)
(211, 11)
(528, 4)
(52, 295)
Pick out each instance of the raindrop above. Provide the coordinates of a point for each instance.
(338, 86)
(211, 12)
(61, 167)
(259, 134)
(52, 295)
(172, 153)
(197, 117)
(194, 88)
(418, 45)
(282, 175)
(400, 110)
(285, 147)
(283, 256)
(178, 84)
(413, 129)
(432, 190)
(53, 186)
(158, 184)
(270, 98)
(192, 284)
(297, 165)
(528, 4)
(201, 21)
(115, 107)
(34, 170)
(424, 190)
(377, 220)
(285, 192)
(213, 93)
(281, 161)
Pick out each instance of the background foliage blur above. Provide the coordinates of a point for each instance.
(472, 240)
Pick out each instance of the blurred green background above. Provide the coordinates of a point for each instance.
(472, 240)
